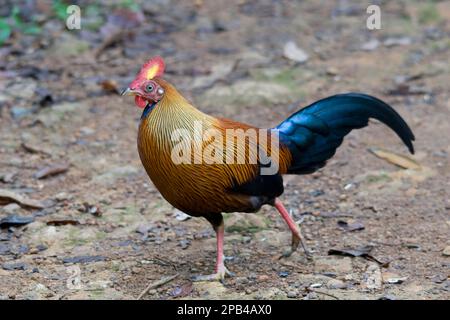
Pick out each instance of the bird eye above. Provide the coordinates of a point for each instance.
(149, 88)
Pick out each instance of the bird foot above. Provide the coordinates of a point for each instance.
(218, 276)
(296, 240)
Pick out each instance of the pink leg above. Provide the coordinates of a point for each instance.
(220, 270)
(220, 235)
(295, 229)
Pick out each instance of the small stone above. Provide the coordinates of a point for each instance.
(249, 222)
(446, 251)
(387, 297)
(15, 266)
(399, 41)
(86, 131)
(184, 244)
(372, 277)
(316, 285)
(439, 278)
(336, 284)
(392, 278)
(348, 277)
(11, 208)
(337, 265)
(135, 270)
(370, 45)
(332, 71)
(348, 186)
(61, 196)
(180, 215)
(241, 280)
(263, 277)
(292, 295)
(246, 239)
(292, 52)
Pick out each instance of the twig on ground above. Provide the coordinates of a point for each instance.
(157, 284)
(321, 292)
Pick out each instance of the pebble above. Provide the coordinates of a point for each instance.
(135, 270)
(241, 280)
(61, 196)
(11, 208)
(292, 294)
(370, 45)
(331, 71)
(336, 284)
(292, 52)
(446, 251)
(263, 278)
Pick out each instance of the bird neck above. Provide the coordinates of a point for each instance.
(172, 112)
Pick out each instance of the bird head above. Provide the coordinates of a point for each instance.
(144, 87)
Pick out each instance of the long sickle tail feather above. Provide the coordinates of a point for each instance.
(315, 132)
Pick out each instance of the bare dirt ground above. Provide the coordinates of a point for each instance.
(98, 228)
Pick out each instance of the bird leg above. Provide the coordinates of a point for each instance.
(297, 237)
(221, 270)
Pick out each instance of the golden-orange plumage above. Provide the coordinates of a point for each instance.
(207, 184)
(198, 189)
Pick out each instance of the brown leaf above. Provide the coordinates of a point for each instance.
(398, 160)
(110, 86)
(34, 149)
(363, 252)
(353, 226)
(182, 291)
(51, 171)
(352, 252)
(63, 222)
(7, 196)
(15, 220)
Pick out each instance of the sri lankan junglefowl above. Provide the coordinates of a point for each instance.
(199, 174)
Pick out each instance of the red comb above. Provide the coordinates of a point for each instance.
(152, 68)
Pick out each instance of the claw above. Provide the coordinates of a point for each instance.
(218, 276)
(295, 229)
(296, 240)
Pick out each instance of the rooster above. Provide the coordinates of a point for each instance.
(306, 140)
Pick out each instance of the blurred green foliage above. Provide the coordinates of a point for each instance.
(15, 22)
(429, 14)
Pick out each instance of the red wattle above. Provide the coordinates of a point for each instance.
(140, 102)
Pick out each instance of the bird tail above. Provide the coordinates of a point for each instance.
(315, 132)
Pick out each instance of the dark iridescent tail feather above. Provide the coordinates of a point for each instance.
(315, 132)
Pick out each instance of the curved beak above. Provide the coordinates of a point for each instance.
(128, 92)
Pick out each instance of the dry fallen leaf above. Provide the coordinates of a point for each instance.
(63, 222)
(15, 220)
(110, 86)
(363, 252)
(350, 225)
(51, 171)
(398, 160)
(7, 196)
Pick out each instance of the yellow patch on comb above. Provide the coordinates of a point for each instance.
(152, 72)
